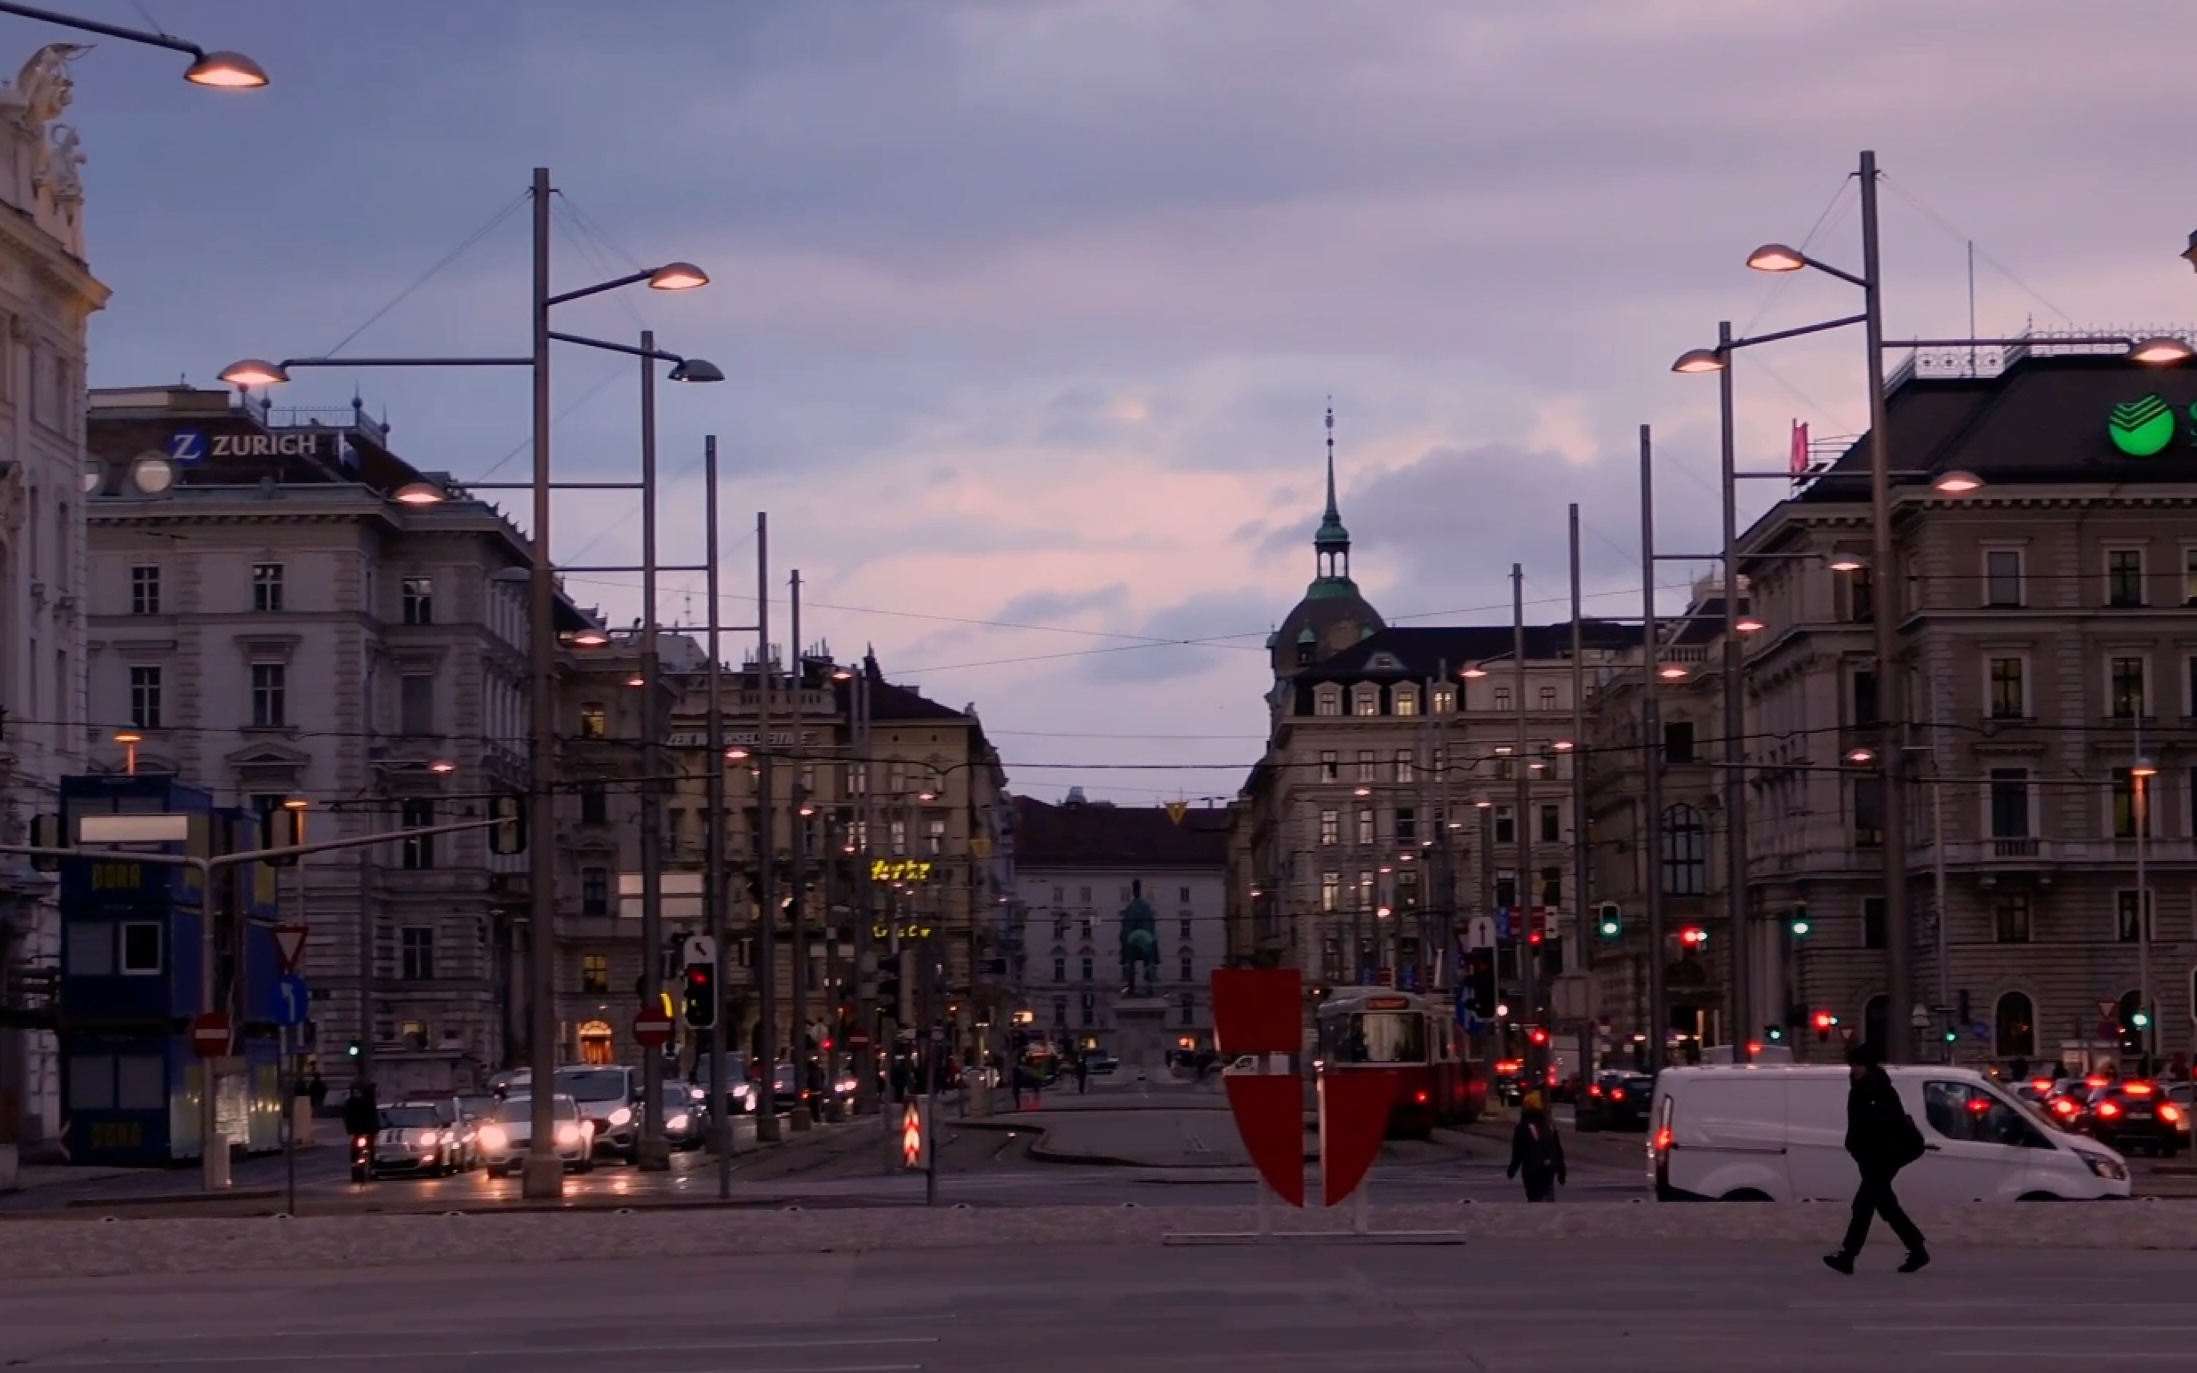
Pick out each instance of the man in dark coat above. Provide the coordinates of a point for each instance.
(1881, 1140)
(1536, 1151)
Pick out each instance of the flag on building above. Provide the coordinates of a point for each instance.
(1800, 448)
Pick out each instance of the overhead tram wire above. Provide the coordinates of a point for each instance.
(445, 261)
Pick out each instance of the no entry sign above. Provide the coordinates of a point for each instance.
(210, 1034)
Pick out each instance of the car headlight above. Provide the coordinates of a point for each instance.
(2106, 1167)
(568, 1134)
(620, 1116)
(493, 1137)
(678, 1122)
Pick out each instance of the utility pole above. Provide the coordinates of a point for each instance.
(653, 1155)
(713, 907)
(797, 912)
(1522, 893)
(1650, 837)
(1736, 904)
(766, 846)
(1582, 924)
(865, 947)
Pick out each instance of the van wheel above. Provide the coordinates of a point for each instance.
(2037, 1196)
(1746, 1194)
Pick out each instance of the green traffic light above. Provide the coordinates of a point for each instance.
(352, 1049)
(1611, 929)
(1950, 1036)
(1801, 927)
(2140, 1019)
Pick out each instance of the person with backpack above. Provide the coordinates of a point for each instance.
(1882, 1139)
(1536, 1151)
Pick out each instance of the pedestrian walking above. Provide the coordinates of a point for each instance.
(316, 1090)
(1536, 1151)
(1083, 1074)
(1882, 1139)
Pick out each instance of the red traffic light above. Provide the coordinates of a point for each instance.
(1534, 938)
(1694, 935)
(1825, 1020)
(1540, 1036)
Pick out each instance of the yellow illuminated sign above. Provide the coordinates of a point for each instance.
(900, 870)
(910, 930)
(117, 876)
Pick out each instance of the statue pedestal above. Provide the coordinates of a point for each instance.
(1140, 1034)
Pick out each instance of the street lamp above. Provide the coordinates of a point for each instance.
(220, 69)
(543, 1177)
(129, 739)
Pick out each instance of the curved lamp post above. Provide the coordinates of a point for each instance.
(220, 69)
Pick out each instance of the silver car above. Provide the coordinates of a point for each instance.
(504, 1140)
(413, 1140)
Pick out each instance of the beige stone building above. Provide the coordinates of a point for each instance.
(274, 623)
(2047, 643)
(47, 297)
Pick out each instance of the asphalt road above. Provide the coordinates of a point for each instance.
(1680, 1308)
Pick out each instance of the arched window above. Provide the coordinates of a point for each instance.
(1685, 852)
(2015, 1026)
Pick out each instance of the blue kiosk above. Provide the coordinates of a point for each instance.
(133, 949)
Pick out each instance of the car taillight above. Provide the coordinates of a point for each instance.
(2169, 1112)
(2041, 1084)
(1617, 1094)
(1663, 1139)
(1596, 1091)
(1421, 1098)
(2136, 1088)
(2108, 1109)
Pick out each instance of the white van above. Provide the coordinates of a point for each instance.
(1778, 1133)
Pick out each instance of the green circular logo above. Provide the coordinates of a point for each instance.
(2141, 428)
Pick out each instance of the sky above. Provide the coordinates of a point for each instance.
(1030, 310)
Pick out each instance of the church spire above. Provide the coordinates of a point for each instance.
(1331, 544)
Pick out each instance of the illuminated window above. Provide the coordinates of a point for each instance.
(594, 973)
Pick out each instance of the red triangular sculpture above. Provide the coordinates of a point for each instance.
(1354, 1107)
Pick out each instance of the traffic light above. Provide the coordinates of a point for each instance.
(888, 985)
(1774, 1034)
(2139, 1019)
(1612, 923)
(1799, 923)
(1693, 937)
(1824, 1023)
(351, 1050)
(508, 834)
(1480, 982)
(699, 981)
(1539, 1036)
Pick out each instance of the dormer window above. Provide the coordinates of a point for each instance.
(1327, 700)
(1405, 700)
(1445, 700)
(1385, 662)
(1367, 701)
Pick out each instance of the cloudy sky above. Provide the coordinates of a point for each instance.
(1031, 309)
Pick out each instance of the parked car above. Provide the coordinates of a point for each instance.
(504, 1140)
(1777, 1133)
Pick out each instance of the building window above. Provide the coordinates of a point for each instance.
(594, 974)
(140, 948)
(2189, 575)
(1404, 769)
(418, 943)
(2009, 803)
(1331, 769)
(1182, 894)
(1685, 852)
(1365, 891)
(2002, 577)
(2009, 690)
(1506, 826)
(1187, 922)
(2126, 688)
(266, 587)
(1407, 891)
(897, 840)
(1872, 922)
(1327, 701)
(415, 704)
(594, 803)
(1331, 827)
(1368, 701)
(1407, 825)
(1366, 833)
(1552, 824)
(1548, 698)
(1405, 700)
(145, 698)
(594, 891)
(1188, 967)
(1445, 697)
(1552, 888)
(1189, 1009)
(270, 696)
(1087, 967)
(1368, 770)
(1502, 698)
(1868, 812)
(594, 720)
(2015, 1027)
(419, 600)
(1860, 597)
(1862, 698)
(1678, 742)
(1060, 967)
(934, 836)
(2131, 805)
(2010, 918)
(419, 849)
(2124, 916)
(144, 591)
(1506, 890)
(2124, 577)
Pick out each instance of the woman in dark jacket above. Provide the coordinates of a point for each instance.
(1536, 1151)
(1882, 1140)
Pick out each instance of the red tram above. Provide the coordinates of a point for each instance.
(1414, 1035)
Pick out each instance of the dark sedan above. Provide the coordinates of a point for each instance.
(2135, 1118)
(1619, 1101)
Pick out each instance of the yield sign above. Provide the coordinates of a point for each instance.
(1175, 810)
(290, 943)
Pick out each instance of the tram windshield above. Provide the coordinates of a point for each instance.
(1376, 1037)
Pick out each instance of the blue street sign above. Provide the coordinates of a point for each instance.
(1981, 1031)
(1502, 922)
(293, 1003)
(186, 447)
